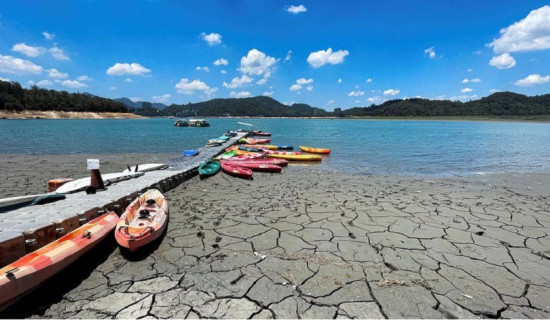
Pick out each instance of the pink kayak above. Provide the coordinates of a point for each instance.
(278, 162)
(236, 171)
(255, 166)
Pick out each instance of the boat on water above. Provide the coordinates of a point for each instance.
(315, 150)
(181, 123)
(198, 123)
(29, 272)
(143, 221)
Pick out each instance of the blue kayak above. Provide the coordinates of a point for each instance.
(285, 148)
(190, 153)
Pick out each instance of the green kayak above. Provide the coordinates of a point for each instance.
(209, 168)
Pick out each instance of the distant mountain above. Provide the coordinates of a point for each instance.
(260, 106)
(497, 104)
(138, 104)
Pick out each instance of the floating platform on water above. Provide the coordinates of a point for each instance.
(29, 228)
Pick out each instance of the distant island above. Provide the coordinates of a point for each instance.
(14, 98)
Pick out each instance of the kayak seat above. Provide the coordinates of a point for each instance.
(144, 214)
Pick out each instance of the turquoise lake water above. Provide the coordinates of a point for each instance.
(438, 148)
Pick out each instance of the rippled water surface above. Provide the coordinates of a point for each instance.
(361, 146)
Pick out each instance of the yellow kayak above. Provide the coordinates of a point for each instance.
(315, 150)
(296, 157)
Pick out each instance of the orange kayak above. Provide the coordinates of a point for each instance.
(296, 157)
(143, 221)
(315, 150)
(27, 273)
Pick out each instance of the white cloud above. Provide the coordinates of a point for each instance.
(44, 83)
(288, 55)
(461, 98)
(11, 65)
(58, 53)
(356, 93)
(238, 82)
(119, 69)
(320, 58)
(477, 52)
(376, 99)
(48, 36)
(223, 72)
(29, 51)
(309, 88)
(135, 99)
(241, 94)
(340, 80)
(529, 34)
(475, 80)
(295, 87)
(296, 9)
(391, 92)
(54, 73)
(494, 90)
(73, 84)
(369, 80)
(330, 102)
(31, 83)
(504, 61)
(303, 81)
(300, 83)
(466, 80)
(5, 79)
(212, 38)
(114, 88)
(466, 90)
(162, 99)
(469, 70)
(84, 78)
(186, 87)
(221, 62)
(532, 80)
(205, 68)
(430, 52)
(128, 80)
(258, 63)
(268, 93)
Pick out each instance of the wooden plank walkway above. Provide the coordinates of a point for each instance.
(26, 229)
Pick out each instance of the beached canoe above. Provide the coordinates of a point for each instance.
(213, 144)
(282, 152)
(190, 153)
(143, 221)
(296, 157)
(250, 149)
(247, 157)
(209, 168)
(236, 171)
(315, 150)
(226, 155)
(257, 141)
(109, 178)
(263, 146)
(27, 273)
(279, 162)
(254, 166)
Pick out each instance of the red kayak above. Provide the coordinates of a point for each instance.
(278, 162)
(255, 166)
(236, 171)
(263, 134)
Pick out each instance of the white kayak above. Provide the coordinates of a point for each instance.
(81, 184)
(147, 167)
(18, 201)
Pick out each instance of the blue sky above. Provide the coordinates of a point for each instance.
(325, 53)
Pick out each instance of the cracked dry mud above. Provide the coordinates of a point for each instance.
(311, 244)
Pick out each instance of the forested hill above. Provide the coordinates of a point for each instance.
(251, 107)
(15, 98)
(497, 104)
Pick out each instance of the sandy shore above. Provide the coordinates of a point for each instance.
(33, 114)
(313, 244)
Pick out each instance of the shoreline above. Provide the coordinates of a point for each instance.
(34, 114)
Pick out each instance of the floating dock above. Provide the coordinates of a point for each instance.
(29, 228)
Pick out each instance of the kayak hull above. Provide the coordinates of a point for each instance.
(136, 229)
(315, 150)
(296, 157)
(209, 168)
(255, 166)
(236, 171)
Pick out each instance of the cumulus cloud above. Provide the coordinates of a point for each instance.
(330, 102)
(295, 87)
(221, 62)
(84, 78)
(303, 81)
(205, 68)
(238, 82)
(532, 33)
(73, 84)
(240, 94)
(54, 73)
(300, 83)
(376, 99)
(258, 63)
(119, 69)
(532, 80)
(296, 9)
(268, 93)
(135, 99)
(48, 36)
(5, 79)
(320, 58)
(186, 87)
(466, 90)
(369, 80)
(357, 93)
(29, 51)
(163, 98)
(503, 61)
(11, 65)
(391, 92)
(212, 38)
(58, 53)
(309, 88)
(340, 80)
(223, 72)
(288, 55)
(44, 83)
(474, 80)
(430, 52)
